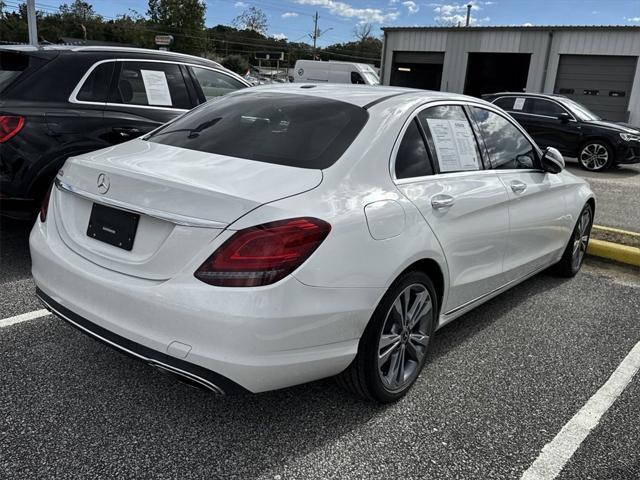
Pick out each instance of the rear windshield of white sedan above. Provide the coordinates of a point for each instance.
(285, 129)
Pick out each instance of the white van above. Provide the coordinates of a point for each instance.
(314, 71)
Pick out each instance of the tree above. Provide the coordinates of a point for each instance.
(252, 19)
(184, 19)
(236, 63)
(362, 32)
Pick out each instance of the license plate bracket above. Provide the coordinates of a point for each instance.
(113, 226)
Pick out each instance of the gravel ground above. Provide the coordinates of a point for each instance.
(500, 383)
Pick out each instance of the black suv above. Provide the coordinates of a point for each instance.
(557, 121)
(56, 102)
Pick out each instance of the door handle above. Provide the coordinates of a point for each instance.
(442, 201)
(127, 131)
(518, 187)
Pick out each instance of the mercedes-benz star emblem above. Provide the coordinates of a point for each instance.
(103, 183)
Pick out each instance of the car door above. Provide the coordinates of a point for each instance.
(537, 225)
(144, 95)
(548, 129)
(465, 205)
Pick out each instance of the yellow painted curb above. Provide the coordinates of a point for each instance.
(615, 230)
(614, 251)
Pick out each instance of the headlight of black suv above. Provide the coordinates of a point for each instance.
(630, 137)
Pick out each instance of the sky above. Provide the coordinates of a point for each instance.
(293, 19)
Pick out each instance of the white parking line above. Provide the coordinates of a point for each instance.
(557, 453)
(5, 322)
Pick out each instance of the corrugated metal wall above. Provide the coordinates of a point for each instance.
(457, 45)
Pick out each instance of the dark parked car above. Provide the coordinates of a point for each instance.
(556, 121)
(56, 102)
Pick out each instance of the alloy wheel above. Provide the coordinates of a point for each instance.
(594, 156)
(405, 337)
(581, 238)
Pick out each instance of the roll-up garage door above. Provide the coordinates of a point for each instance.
(417, 69)
(601, 83)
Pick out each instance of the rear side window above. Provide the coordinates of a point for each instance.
(412, 159)
(508, 148)
(451, 137)
(96, 87)
(215, 84)
(12, 64)
(151, 84)
(294, 130)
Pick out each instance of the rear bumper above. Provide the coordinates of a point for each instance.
(254, 339)
(206, 378)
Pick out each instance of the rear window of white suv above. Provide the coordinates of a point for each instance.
(294, 130)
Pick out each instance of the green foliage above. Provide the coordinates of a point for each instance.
(236, 63)
(184, 19)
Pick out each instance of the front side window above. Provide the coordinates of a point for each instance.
(284, 129)
(451, 137)
(540, 106)
(412, 159)
(357, 79)
(508, 148)
(96, 87)
(215, 84)
(151, 84)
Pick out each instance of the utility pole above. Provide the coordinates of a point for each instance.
(468, 15)
(315, 34)
(31, 22)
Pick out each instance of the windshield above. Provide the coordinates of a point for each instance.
(294, 130)
(580, 111)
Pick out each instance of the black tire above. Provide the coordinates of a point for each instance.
(365, 377)
(569, 265)
(596, 156)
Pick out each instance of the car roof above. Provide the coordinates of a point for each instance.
(359, 95)
(524, 94)
(109, 49)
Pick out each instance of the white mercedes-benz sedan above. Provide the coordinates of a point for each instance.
(284, 234)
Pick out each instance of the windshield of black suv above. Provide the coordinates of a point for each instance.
(580, 111)
(285, 129)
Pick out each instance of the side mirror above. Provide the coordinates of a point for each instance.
(564, 117)
(552, 160)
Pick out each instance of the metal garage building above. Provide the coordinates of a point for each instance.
(596, 66)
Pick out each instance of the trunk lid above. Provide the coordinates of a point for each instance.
(185, 199)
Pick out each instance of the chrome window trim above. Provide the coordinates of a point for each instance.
(533, 97)
(174, 218)
(435, 103)
(73, 97)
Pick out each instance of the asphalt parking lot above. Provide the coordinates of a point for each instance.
(500, 384)
(617, 193)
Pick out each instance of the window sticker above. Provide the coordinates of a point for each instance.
(155, 83)
(519, 103)
(455, 145)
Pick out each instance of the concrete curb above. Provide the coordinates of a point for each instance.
(616, 235)
(614, 251)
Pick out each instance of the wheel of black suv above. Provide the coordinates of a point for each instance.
(595, 156)
(576, 249)
(394, 346)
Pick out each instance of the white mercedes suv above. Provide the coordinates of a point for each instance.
(283, 234)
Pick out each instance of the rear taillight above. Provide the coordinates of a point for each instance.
(9, 126)
(263, 254)
(44, 206)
